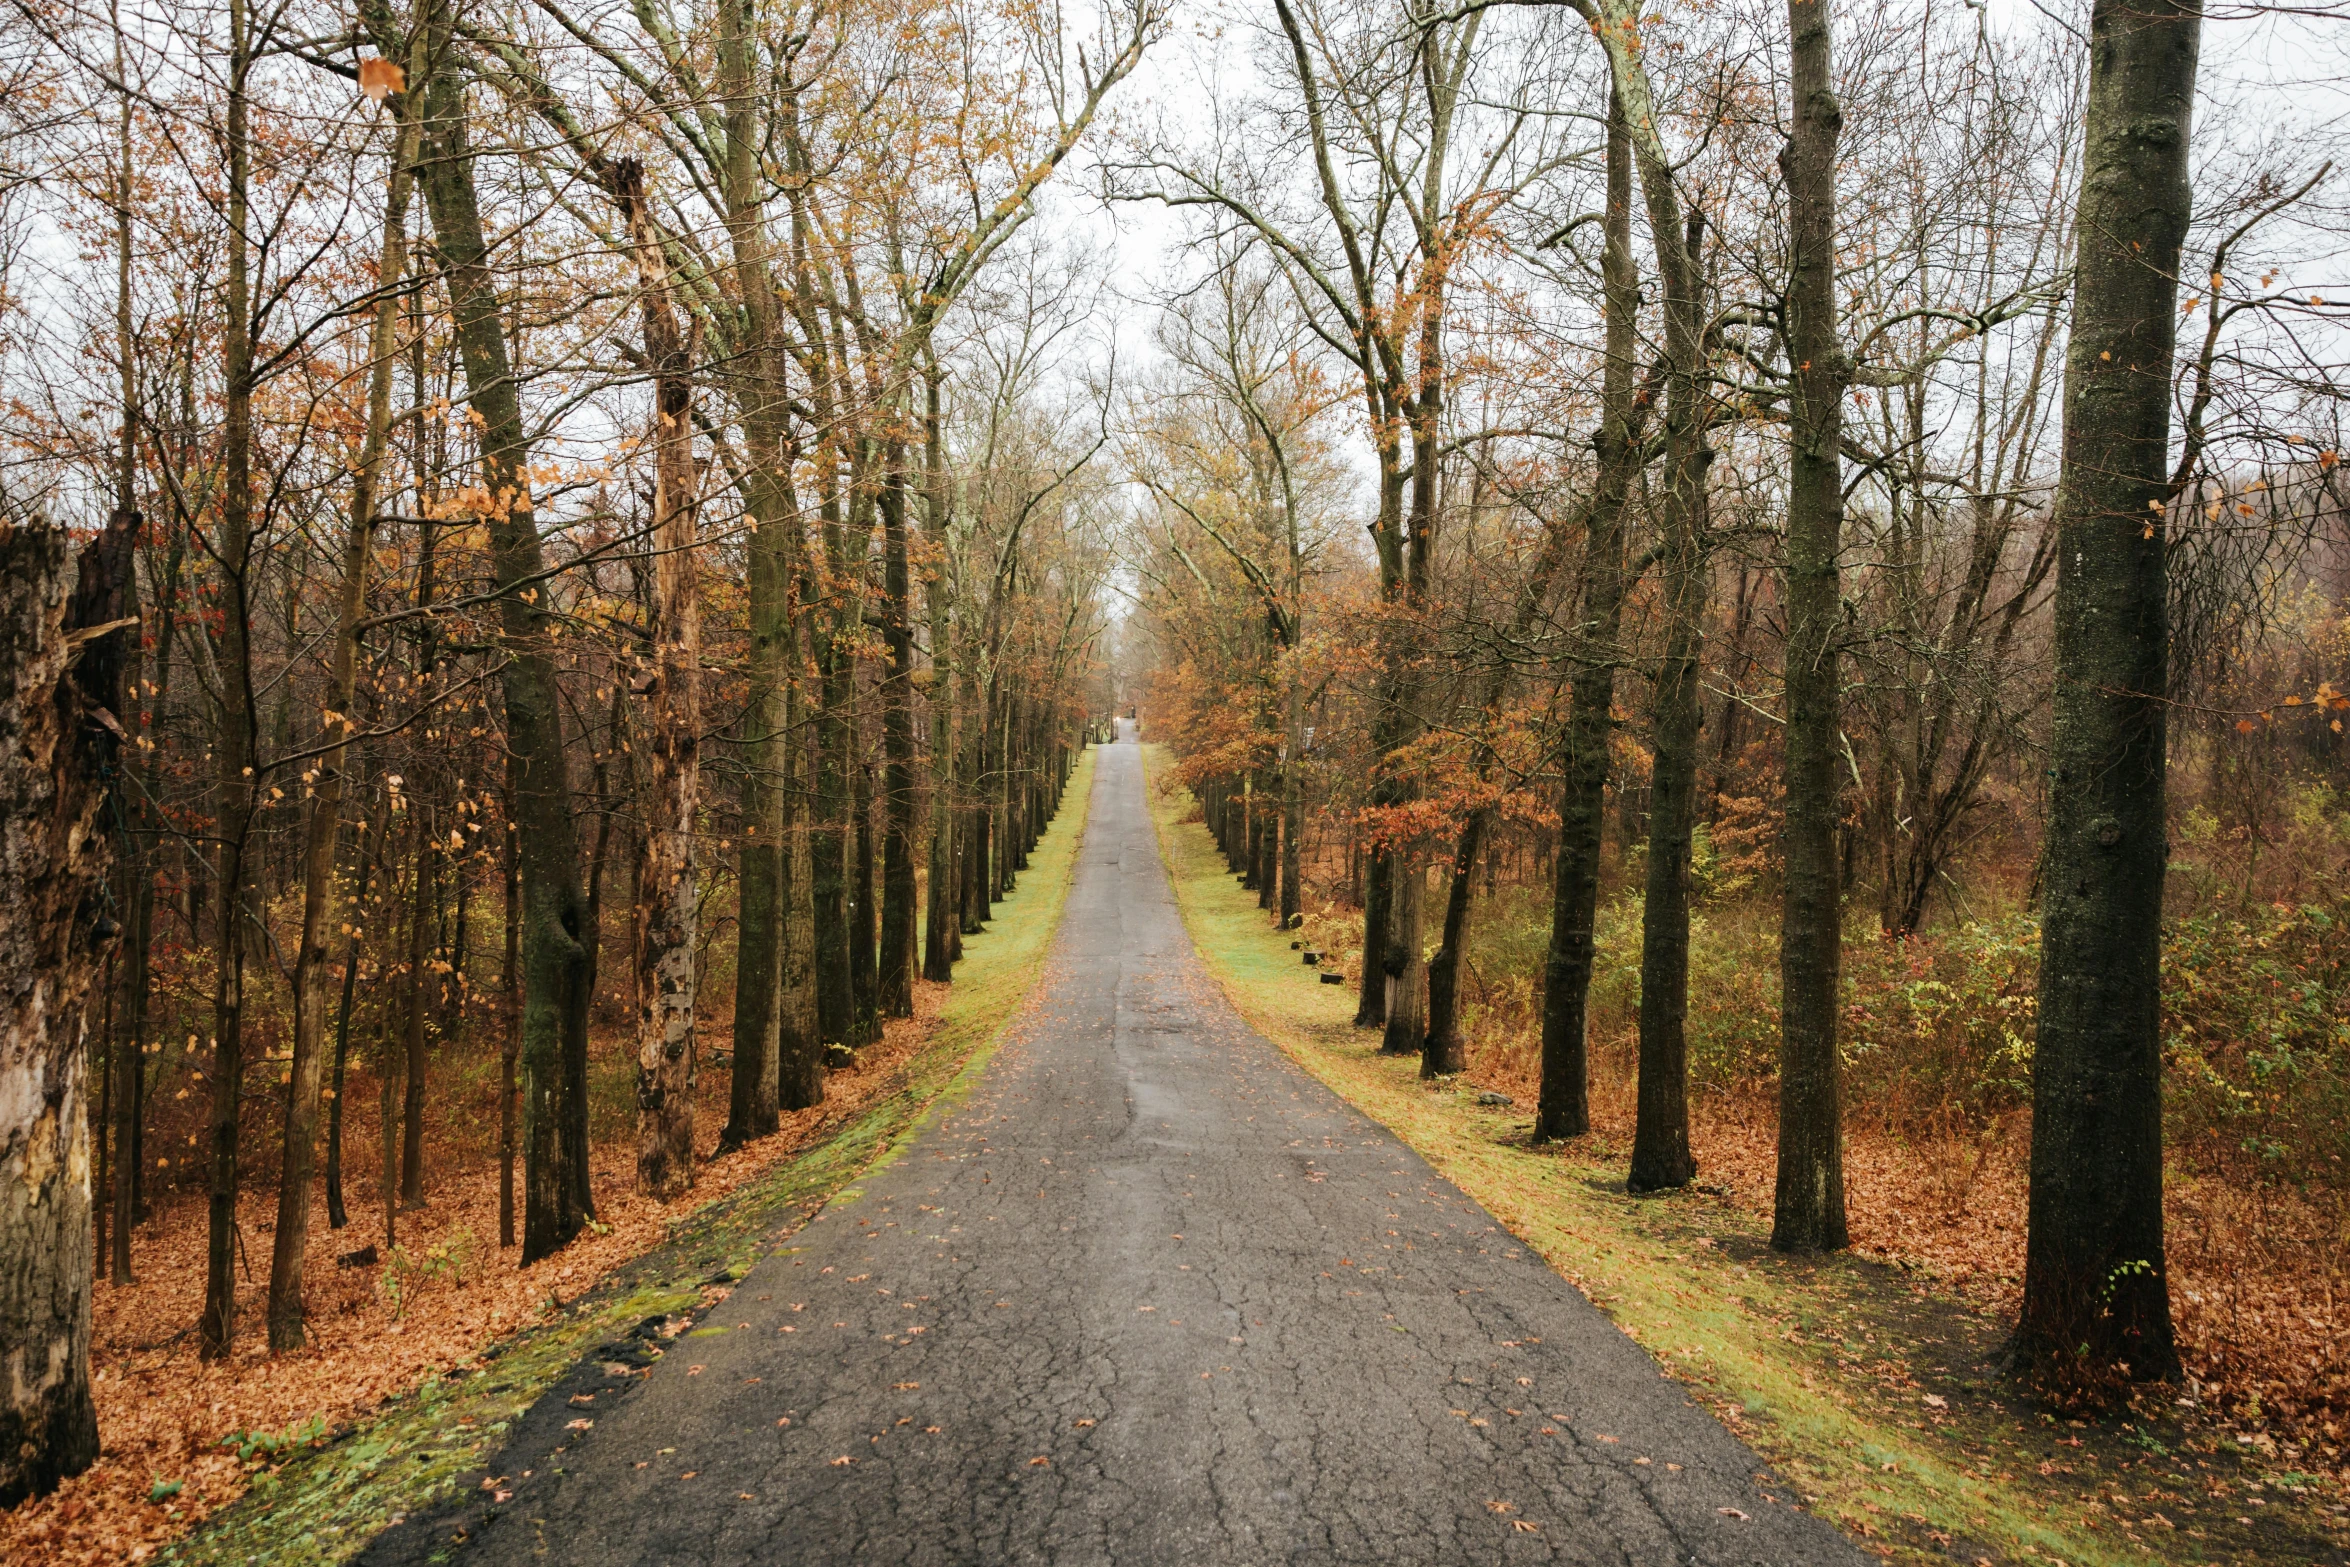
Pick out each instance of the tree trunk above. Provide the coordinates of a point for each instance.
(509, 1010)
(1371, 987)
(57, 746)
(1407, 968)
(894, 994)
(336, 1215)
(759, 946)
(667, 755)
(1443, 1052)
(324, 829)
(1293, 802)
(864, 1021)
(944, 921)
(830, 845)
(556, 935)
(2096, 1289)
(413, 1035)
(1564, 1105)
(126, 1057)
(232, 749)
(1808, 1213)
(1660, 1140)
(800, 1056)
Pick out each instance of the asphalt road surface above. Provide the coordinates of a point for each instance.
(1149, 1295)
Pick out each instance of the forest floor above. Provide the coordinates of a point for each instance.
(416, 1365)
(1872, 1379)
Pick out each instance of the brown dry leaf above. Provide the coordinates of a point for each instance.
(379, 79)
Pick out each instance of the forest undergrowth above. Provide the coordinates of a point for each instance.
(394, 1345)
(1876, 1380)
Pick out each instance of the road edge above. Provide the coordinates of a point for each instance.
(1888, 1491)
(327, 1502)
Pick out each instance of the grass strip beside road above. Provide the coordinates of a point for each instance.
(327, 1499)
(1878, 1398)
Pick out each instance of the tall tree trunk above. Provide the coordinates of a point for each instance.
(1406, 966)
(830, 846)
(2096, 1287)
(1661, 1156)
(509, 1007)
(1563, 1108)
(976, 708)
(944, 915)
(667, 748)
(58, 738)
(370, 850)
(324, 829)
(126, 1055)
(1293, 800)
(234, 794)
(1371, 987)
(759, 946)
(1660, 1141)
(1443, 1051)
(556, 940)
(894, 994)
(864, 1020)
(1808, 1213)
(412, 1032)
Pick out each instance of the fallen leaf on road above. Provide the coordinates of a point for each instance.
(842, 1461)
(1523, 1527)
(904, 1387)
(1084, 1423)
(1731, 1512)
(579, 1425)
(1035, 1463)
(693, 1371)
(689, 1474)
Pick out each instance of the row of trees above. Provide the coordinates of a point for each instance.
(557, 465)
(1807, 383)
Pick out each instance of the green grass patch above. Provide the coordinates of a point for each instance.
(326, 1500)
(1875, 1396)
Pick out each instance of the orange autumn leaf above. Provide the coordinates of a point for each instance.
(379, 79)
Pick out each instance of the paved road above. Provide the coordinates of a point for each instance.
(1150, 1295)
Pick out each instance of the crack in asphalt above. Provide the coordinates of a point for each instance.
(1150, 1294)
